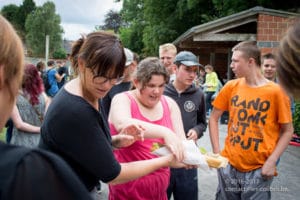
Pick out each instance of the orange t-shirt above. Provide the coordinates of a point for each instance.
(255, 115)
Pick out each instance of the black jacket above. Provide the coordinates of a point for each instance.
(192, 106)
(36, 174)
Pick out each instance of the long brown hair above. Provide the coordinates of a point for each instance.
(102, 52)
(11, 55)
(288, 69)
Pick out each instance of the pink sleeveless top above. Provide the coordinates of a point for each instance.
(151, 186)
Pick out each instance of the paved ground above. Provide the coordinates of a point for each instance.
(285, 185)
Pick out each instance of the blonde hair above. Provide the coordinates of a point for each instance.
(168, 47)
(11, 55)
(208, 66)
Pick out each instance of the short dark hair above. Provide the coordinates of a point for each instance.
(249, 50)
(148, 67)
(268, 56)
(50, 63)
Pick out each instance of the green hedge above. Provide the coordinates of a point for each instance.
(296, 118)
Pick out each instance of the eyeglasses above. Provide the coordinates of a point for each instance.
(112, 81)
(99, 79)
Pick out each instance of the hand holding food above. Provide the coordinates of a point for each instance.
(193, 155)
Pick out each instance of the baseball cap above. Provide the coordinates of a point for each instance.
(187, 58)
(129, 56)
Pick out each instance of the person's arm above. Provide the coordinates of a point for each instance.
(176, 118)
(20, 124)
(47, 101)
(214, 129)
(269, 167)
(59, 77)
(120, 117)
(134, 170)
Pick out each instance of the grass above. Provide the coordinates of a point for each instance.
(2, 134)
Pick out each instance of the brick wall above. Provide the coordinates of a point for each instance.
(270, 30)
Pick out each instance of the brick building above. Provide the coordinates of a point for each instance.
(213, 41)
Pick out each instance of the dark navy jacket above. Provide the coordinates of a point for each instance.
(192, 106)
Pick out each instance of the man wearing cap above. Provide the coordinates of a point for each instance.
(125, 85)
(191, 101)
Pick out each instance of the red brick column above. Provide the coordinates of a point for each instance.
(270, 29)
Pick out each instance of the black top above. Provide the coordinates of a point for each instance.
(36, 174)
(62, 70)
(77, 132)
(106, 101)
(192, 107)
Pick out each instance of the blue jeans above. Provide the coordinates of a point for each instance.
(183, 184)
(208, 99)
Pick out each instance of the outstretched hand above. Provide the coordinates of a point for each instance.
(174, 144)
(128, 136)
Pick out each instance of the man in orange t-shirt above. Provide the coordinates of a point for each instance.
(259, 128)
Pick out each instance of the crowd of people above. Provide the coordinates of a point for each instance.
(101, 125)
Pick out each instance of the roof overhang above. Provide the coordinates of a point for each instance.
(219, 30)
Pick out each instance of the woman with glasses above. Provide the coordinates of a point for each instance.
(75, 129)
(147, 106)
(27, 173)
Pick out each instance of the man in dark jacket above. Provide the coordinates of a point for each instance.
(191, 101)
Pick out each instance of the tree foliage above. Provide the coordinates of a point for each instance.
(150, 23)
(43, 21)
(10, 13)
(113, 21)
(17, 15)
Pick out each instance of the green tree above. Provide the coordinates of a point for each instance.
(10, 12)
(131, 34)
(150, 23)
(113, 21)
(59, 53)
(25, 9)
(17, 15)
(43, 21)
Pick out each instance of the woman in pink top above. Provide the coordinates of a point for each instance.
(159, 115)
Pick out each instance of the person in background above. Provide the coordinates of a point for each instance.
(75, 128)
(27, 173)
(210, 85)
(259, 128)
(269, 68)
(30, 108)
(53, 78)
(288, 60)
(147, 106)
(126, 83)
(41, 67)
(191, 101)
(167, 53)
(63, 72)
